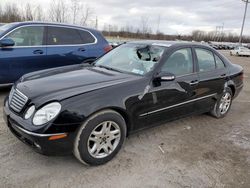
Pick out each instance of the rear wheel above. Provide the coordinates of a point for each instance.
(222, 106)
(100, 138)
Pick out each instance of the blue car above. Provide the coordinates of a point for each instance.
(31, 46)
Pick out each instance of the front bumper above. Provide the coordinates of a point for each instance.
(38, 141)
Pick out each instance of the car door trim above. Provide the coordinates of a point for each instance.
(175, 105)
(45, 45)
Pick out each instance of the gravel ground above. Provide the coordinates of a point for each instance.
(197, 151)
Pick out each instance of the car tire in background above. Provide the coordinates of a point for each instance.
(223, 104)
(100, 138)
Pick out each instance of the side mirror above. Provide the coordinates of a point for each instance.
(6, 42)
(164, 77)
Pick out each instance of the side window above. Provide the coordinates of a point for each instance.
(63, 36)
(219, 62)
(180, 62)
(28, 36)
(86, 37)
(205, 59)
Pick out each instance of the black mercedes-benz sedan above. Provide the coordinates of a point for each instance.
(90, 109)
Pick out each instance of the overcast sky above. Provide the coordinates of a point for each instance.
(176, 16)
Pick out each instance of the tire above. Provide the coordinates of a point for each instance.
(93, 143)
(218, 111)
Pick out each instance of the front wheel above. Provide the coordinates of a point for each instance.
(222, 106)
(100, 138)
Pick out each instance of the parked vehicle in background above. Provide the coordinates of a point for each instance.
(31, 46)
(89, 110)
(214, 46)
(240, 51)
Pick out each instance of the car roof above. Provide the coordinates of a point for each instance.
(50, 23)
(167, 43)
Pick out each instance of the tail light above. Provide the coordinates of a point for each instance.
(107, 48)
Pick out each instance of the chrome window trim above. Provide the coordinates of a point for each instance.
(50, 25)
(175, 105)
(5, 85)
(36, 134)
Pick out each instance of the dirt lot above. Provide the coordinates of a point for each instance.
(199, 151)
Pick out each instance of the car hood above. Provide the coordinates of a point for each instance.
(62, 83)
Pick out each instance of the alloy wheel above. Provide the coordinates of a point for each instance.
(104, 139)
(225, 103)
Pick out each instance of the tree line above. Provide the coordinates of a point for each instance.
(78, 12)
(63, 11)
(196, 35)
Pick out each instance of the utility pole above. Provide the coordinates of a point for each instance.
(244, 18)
(219, 32)
(96, 23)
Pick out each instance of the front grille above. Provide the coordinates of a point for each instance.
(17, 100)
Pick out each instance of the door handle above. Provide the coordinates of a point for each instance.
(81, 49)
(194, 82)
(223, 75)
(37, 52)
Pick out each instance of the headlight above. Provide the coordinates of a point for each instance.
(46, 113)
(29, 112)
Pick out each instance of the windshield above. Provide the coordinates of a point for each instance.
(4, 28)
(132, 58)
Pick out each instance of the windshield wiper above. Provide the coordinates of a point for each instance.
(108, 68)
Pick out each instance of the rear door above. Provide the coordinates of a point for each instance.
(27, 55)
(212, 77)
(68, 46)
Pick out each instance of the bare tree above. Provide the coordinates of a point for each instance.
(1, 13)
(28, 15)
(10, 13)
(144, 25)
(87, 13)
(158, 24)
(39, 14)
(58, 11)
(75, 7)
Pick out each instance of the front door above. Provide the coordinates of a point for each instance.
(173, 99)
(27, 55)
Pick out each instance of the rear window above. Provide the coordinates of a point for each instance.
(86, 37)
(63, 36)
(219, 62)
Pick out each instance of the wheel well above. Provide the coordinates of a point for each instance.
(121, 112)
(232, 88)
(125, 116)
